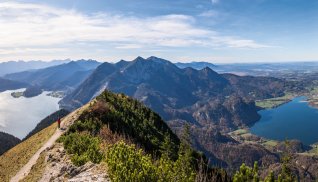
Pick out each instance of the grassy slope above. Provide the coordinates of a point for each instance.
(13, 160)
(37, 170)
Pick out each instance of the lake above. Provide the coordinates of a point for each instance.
(18, 116)
(293, 120)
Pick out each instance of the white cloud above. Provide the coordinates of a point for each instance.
(209, 13)
(32, 26)
(129, 46)
(215, 1)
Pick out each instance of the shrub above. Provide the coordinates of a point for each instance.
(247, 174)
(128, 164)
(83, 147)
(90, 125)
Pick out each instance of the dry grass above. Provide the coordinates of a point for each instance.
(37, 170)
(110, 137)
(13, 160)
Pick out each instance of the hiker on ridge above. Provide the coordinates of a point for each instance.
(59, 123)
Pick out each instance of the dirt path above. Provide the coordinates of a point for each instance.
(66, 122)
(24, 171)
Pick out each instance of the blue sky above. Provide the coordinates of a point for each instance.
(218, 31)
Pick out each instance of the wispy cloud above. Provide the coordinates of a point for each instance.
(10, 51)
(31, 26)
(129, 46)
(215, 1)
(209, 13)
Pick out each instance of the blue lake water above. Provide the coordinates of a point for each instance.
(293, 120)
(18, 116)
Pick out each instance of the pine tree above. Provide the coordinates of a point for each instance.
(168, 148)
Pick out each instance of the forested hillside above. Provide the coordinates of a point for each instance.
(7, 141)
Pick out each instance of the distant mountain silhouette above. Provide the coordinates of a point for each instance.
(61, 77)
(19, 66)
(6, 84)
(196, 65)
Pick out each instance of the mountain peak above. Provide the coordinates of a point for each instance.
(209, 73)
(152, 58)
(158, 60)
(122, 63)
(139, 58)
(154, 61)
(207, 69)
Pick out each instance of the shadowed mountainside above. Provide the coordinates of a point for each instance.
(7, 141)
(6, 84)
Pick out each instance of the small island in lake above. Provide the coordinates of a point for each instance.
(56, 94)
(28, 93)
(17, 94)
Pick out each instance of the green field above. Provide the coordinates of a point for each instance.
(273, 102)
(270, 143)
(244, 135)
(313, 96)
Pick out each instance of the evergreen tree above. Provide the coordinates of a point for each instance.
(247, 174)
(168, 148)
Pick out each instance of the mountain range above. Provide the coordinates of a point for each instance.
(196, 65)
(213, 104)
(62, 77)
(19, 66)
(162, 85)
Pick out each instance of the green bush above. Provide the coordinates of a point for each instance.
(247, 174)
(89, 125)
(83, 148)
(126, 163)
